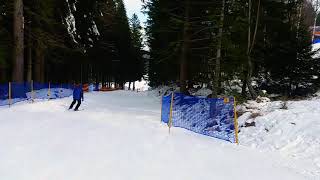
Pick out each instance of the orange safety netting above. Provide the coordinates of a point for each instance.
(105, 89)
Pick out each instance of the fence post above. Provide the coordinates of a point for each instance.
(60, 91)
(49, 92)
(171, 108)
(161, 108)
(236, 127)
(10, 94)
(32, 91)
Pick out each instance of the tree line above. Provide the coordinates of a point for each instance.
(68, 41)
(233, 46)
(242, 47)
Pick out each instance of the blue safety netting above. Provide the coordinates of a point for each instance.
(92, 87)
(96, 87)
(165, 111)
(29, 91)
(19, 92)
(60, 91)
(4, 94)
(211, 117)
(316, 41)
(67, 86)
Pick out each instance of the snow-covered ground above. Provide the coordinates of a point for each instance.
(118, 136)
(292, 129)
(316, 47)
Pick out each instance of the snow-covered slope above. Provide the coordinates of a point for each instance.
(118, 136)
(292, 129)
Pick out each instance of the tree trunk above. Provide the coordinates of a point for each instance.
(29, 70)
(256, 28)
(39, 64)
(29, 63)
(249, 50)
(3, 74)
(134, 86)
(244, 85)
(315, 20)
(81, 74)
(217, 78)
(249, 80)
(185, 49)
(129, 86)
(299, 20)
(18, 35)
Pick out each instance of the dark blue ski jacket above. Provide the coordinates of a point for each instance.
(77, 93)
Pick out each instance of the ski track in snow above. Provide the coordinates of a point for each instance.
(118, 136)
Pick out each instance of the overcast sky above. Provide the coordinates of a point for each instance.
(134, 6)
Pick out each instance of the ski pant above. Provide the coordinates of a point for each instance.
(74, 102)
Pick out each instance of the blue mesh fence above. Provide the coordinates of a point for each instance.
(27, 91)
(96, 87)
(60, 90)
(67, 86)
(165, 111)
(211, 117)
(41, 91)
(20, 92)
(39, 86)
(4, 94)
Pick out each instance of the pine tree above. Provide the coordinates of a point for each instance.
(5, 39)
(18, 36)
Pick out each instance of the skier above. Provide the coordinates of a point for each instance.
(77, 96)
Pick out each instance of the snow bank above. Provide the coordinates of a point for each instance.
(291, 128)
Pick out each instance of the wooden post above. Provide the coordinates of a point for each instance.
(161, 109)
(60, 92)
(32, 91)
(49, 92)
(236, 126)
(10, 94)
(171, 108)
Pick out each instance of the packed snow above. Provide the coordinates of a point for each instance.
(118, 135)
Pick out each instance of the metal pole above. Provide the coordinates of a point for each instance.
(171, 108)
(315, 20)
(81, 74)
(49, 92)
(236, 126)
(32, 91)
(161, 109)
(10, 94)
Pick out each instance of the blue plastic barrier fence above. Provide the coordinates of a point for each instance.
(211, 117)
(11, 93)
(165, 111)
(4, 94)
(19, 92)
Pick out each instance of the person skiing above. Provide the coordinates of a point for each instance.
(77, 97)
